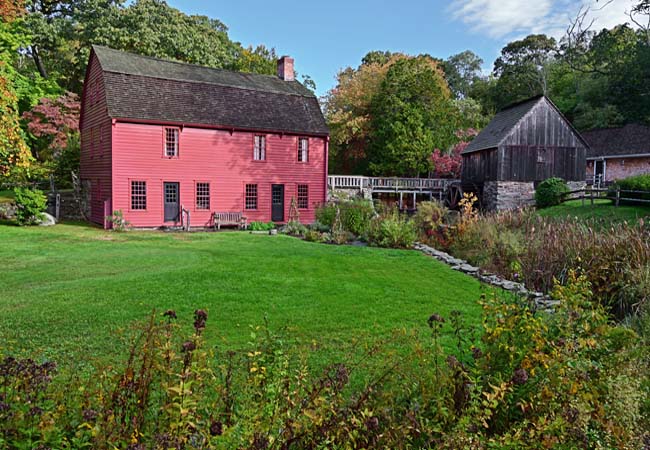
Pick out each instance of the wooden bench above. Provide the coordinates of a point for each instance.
(237, 219)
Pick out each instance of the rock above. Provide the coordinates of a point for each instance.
(273, 232)
(46, 220)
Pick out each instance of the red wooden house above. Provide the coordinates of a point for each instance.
(160, 136)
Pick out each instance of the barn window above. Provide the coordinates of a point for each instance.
(251, 196)
(138, 195)
(259, 148)
(202, 195)
(171, 142)
(303, 150)
(303, 196)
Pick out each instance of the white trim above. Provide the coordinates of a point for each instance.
(633, 155)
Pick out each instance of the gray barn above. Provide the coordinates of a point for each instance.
(524, 144)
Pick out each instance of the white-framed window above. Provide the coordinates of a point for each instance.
(303, 196)
(251, 196)
(202, 195)
(303, 149)
(171, 142)
(259, 148)
(139, 195)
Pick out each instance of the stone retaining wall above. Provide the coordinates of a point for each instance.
(539, 300)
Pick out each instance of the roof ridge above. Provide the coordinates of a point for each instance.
(184, 80)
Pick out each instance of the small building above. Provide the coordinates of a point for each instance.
(161, 137)
(616, 153)
(524, 144)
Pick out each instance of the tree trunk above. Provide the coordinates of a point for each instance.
(39, 63)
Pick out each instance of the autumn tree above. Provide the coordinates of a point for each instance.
(14, 154)
(411, 114)
(348, 111)
(448, 164)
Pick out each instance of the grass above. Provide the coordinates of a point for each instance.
(6, 196)
(69, 290)
(602, 210)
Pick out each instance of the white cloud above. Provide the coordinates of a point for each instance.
(500, 19)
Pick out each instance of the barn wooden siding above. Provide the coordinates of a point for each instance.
(96, 137)
(541, 145)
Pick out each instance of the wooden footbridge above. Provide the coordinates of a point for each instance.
(438, 188)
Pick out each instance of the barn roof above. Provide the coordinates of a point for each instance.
(145, 88)
(632, 139)
(501, 125)
(506, 120)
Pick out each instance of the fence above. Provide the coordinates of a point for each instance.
(387, 184)
(616, 195)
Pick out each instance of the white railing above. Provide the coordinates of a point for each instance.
(387, 183)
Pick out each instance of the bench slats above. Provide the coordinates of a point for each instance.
(229, 218)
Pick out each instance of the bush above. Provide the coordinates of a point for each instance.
(261, 226)
(30, 205)
(429, 217)
(355, 215)
(550, 192)
(118, 221)
(316, 236)
(635, 183)
(326, 213)
(392, 230)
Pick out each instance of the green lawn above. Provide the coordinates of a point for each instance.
(68, 290)
(603, 210)
(6, 196)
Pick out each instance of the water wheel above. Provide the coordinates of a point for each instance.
(453, 195)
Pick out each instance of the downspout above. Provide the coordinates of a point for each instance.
(327, 140)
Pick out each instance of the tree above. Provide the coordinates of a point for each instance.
(14, 154)
(410, 116)
(523, 69)
(347, 110)
(52, 123)
(462, 71)
(449, 164)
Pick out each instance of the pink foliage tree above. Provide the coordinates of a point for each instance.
(449, 164)
(54, 121)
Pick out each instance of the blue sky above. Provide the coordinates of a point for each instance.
(327, 36)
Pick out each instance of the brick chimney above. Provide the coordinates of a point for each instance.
(285, 68)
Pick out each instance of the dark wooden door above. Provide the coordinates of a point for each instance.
(277, 203)
(172, 202)
(599, 173)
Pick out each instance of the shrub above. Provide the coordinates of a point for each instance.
(326, 213)
(118, 221)
(30, 204)
(429, 217)
(392, 230)
(316, 236)
(261, 226)
(550, 192)
(356, 216)
(634, 183)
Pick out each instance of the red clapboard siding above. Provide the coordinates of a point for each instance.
(221, 158)
(95, 167)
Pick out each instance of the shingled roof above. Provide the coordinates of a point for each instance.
(501, 125)
(145, 88)
(632, 139)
